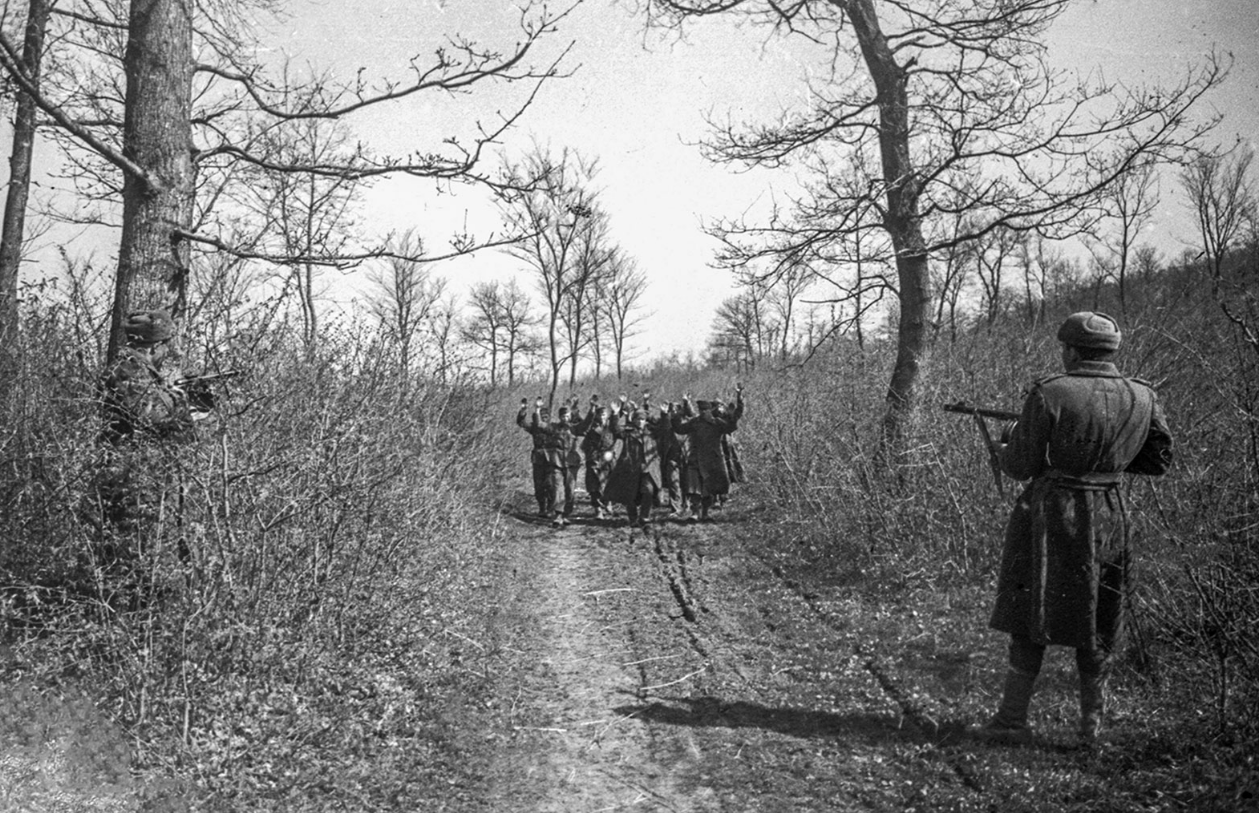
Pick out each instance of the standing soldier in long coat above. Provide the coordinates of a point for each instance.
(729, 445)
(635, 479)
(1064, 567)
(672, 457)
(705, 477)
(598, 445)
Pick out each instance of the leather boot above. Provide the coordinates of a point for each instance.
(1092, 707)
(1009, 724)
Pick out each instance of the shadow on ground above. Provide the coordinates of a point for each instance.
(713, 712)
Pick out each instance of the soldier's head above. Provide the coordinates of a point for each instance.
(544, 414)
(639, 418)
(1089, 336)
(704, 406)
(563, 414)
(150, 330)
(601, 416)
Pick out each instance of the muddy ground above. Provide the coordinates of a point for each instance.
(685, 667)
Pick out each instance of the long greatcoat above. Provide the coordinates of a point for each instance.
(639, 461)
(705, 473)
(598, 443)
(1064, 565)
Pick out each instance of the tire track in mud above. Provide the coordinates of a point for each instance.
(596, 609)
(668, 678)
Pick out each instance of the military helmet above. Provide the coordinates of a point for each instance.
(1090, 329)
(148, 327)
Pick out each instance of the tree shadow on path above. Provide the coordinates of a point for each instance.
(712, 712)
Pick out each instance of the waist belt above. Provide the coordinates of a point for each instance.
(1089, 481)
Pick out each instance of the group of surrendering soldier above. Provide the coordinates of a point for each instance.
(1064, 577)
(679, 456)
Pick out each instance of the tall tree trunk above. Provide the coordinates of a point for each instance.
(904, 224)
(157, 136)
(12, 231)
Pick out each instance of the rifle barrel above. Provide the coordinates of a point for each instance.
(208, 378)
(995, 414)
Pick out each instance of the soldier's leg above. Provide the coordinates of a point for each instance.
(592, 487)
(672, 485)
(551, 491)
(1112, 593)
(1010, 724)
(705, 505)
(1092, 666)
(568, 475)
(540, 475)
(646, 499)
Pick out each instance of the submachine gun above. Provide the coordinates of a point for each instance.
(199, 388)
(980, 414)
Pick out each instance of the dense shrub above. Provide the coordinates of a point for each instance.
(314, 530)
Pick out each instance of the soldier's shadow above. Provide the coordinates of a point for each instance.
(713, 712)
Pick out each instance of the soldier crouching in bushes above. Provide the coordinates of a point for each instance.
(1064, 566)
(148, 415)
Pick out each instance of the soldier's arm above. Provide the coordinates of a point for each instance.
(1023, 456)
(1155, 457)
(582, 425)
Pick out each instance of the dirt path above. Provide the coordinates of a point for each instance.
(601, 633)
(669, 671)
(698, 668)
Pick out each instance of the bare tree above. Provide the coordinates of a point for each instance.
(1222, 195)
(404, 300)
(443, 331)
(519, 324)
(12, 230)
(500, 322)
(621, 294)
(784, 300)
(992, 255)
(580, 313)
(485, 327)
(739, 329)
(162, 146)
(1130, 202)
(943, 92)
(551, 224)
